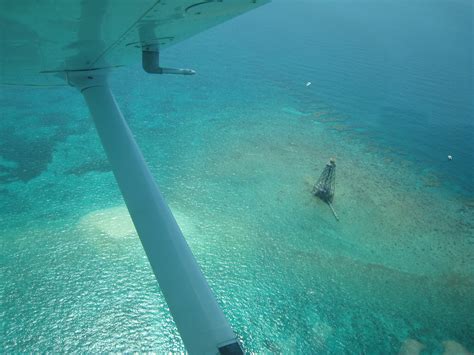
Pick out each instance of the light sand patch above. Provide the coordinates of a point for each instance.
(411, 347)
(115, 222)
(452, 347)
(112, 222)
(322, 332)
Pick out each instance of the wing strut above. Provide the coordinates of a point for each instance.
(200, 321)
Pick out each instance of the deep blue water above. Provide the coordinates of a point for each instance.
(235, 150)
(400, 71)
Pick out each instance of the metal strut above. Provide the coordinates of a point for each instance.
(198, 317)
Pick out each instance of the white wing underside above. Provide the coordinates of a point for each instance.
(38, 39)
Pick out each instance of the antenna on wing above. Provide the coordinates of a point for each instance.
(151, 62)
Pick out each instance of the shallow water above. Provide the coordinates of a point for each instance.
(236, 150)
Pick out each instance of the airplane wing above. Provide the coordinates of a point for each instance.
(39, 39)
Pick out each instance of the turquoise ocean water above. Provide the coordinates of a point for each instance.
(236, 150)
